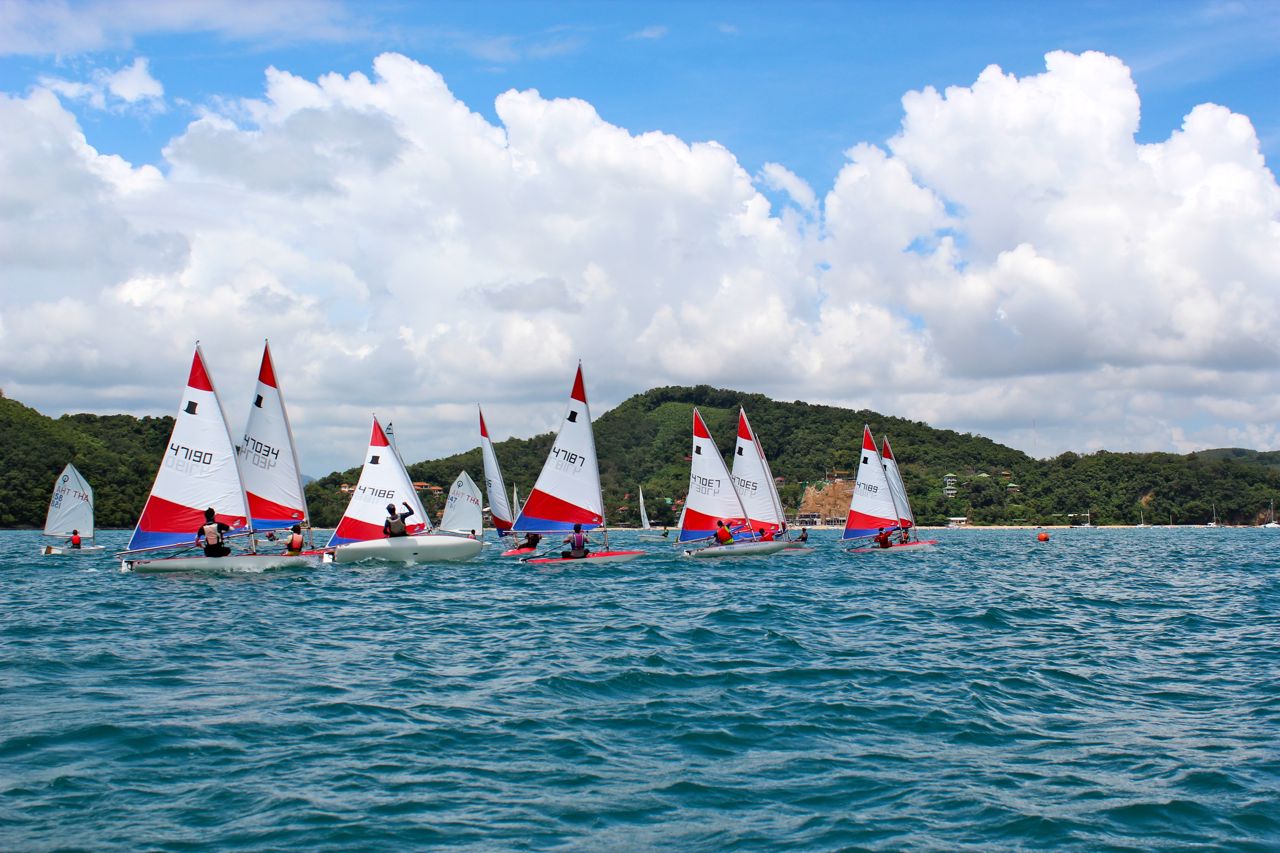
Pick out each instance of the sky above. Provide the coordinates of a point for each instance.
(1053, 224)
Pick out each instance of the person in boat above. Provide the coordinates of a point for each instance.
(529, 541)
(804, 535)
(394, 524)
(577, 542)
(723, 535)
(210, 535)
(766, 535)
(883, 538)
(294, 544)
(664, 531)
(75, 539)
(904, 536)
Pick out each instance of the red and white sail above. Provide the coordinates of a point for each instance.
(494, 488)
(568, 489)
(872, 506)
(199, 471)
(70, 506)
(383, 481)
(269, 459)
(712, 496)
(899, 489)
(754, 480)
(463, 509)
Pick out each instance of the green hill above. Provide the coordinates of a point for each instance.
(645, 442)
(116, 453)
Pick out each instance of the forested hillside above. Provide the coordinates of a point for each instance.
(645, 441)
(117, 454)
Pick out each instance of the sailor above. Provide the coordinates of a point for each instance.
(393, 524)
(804, 535)
(75, 539)
(766, 535)
(294, 544)
(530, 541)
(904, 537)
(723, 536)
(210, 535)
(577, 542)
(882, 539)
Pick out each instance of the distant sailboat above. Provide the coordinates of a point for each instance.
(755, 483)
(644, 514)
(70, 513)
(1142, 520)
(1271, 517)
(567, 491)
(713, 500)
(499, 510)
(384, 482)
(1214, 521)
(464, 509)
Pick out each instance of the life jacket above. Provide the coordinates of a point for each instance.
(766, 535)
(395, 526)
(578, 541)
(723, 536)
(75, 540)
(295, 542)
(212, 536)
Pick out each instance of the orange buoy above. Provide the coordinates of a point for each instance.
(1042, 536)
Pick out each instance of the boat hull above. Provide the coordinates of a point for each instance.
(409, 549)
(900, 548)
(797, 548)
(737, 549)
(518, 552)
(62, 551)
(593, 557)
(230, 563)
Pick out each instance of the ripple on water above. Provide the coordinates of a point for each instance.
(1110, 689)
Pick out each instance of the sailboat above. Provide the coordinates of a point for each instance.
(1214, 522)
(713, 498)
(1271, 517)
(753, 479)
(874, 506)
(1142, 520)
(199, 470)
(269, 467)
(464, 509)
(567, 491)
(646, 526)
(384, 482)
(70, 512)
(499, 509)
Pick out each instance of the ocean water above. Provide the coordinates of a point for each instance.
(1109, 689)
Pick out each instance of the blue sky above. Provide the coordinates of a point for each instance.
(792, 83)
(992, 252)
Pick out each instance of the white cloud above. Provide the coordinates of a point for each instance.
(650, 33)
(128, 87)
(61, 27)
(1012, 257)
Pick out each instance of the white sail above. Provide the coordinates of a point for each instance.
(754, 480)
(71, 505)
(383, 481)
(515, 500)
(644, 513)
(494, 488)
(896, 486)
(199, 471)
(712, 496)
(464, 509)
(268, 458)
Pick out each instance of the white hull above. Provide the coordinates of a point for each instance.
(230, 563)
(1272, 524)
(738, 549)
(64, 551)
(409, 549)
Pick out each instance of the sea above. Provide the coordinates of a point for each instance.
(1110, 689)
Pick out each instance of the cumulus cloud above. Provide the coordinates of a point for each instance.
(1011, 262)
(128, 87)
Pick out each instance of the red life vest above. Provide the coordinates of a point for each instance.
(75, 540)
(723, 536)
